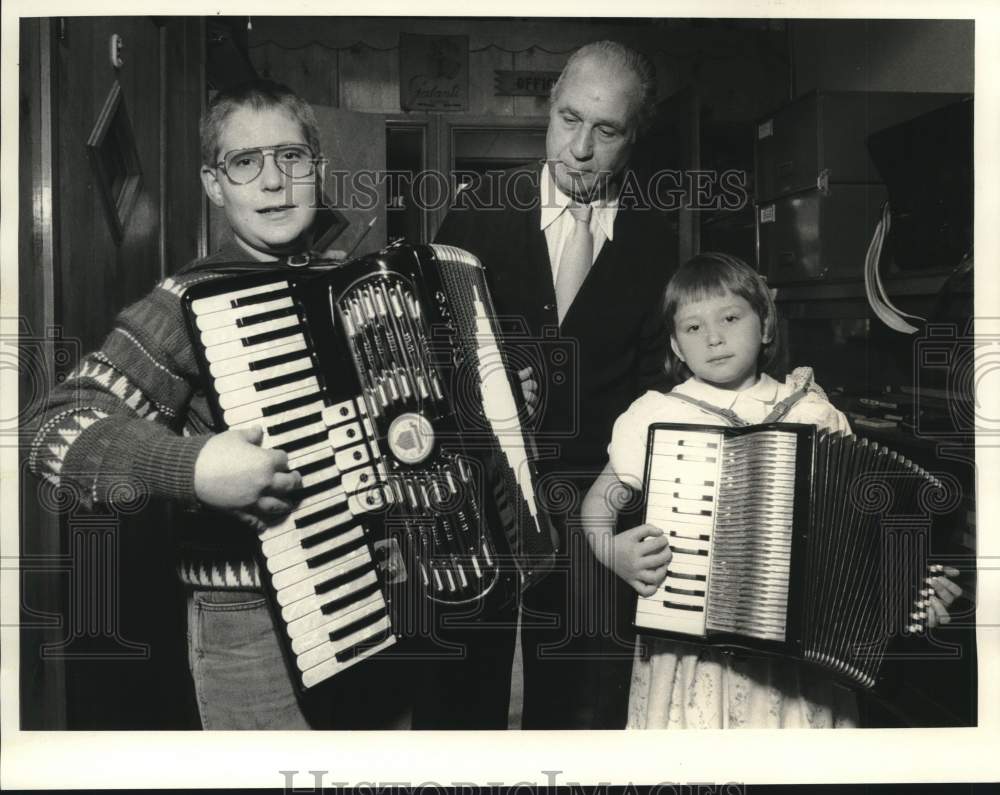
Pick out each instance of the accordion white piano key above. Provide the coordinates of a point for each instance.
(652, 614)
(285, 581)
(315, 429)
(330, 667)
(685, 530)
(253, 351)
(253, 396)
(312, 600)
(358, 480)
(320, 636)
(339, 412)
(664, 519)
(319, 448)
(215, 303)
(352, 457)
(300, 459)
(295, 599)
(226, 334)
(663, 469)
(327, 650)
(230, 317)
(366, 501)
(688, 543)
(294, 537)
(255, 411)
(250, 378)
(316, 618)
(685, 491)
(298, 555)
(692, 564)
(300, 515)
(240, 364)
(685, 457)
(681, 598)
(667, 503)
(321, 475)
(684, 584)
(274, 420)
(345, 435)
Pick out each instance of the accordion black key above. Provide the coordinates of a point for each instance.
(384, 381)
(788, 541)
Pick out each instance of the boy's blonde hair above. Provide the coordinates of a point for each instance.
(257, 95)
(713, 273)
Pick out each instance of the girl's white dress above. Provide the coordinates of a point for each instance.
(686, 685)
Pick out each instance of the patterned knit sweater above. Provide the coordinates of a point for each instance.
(132, 419)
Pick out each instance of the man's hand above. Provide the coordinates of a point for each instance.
(336, 254)
(945, 592)
(234, 473)
(529, 388)
(639, 556)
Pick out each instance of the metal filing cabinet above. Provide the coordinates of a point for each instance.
(817, 192)
(815, 235)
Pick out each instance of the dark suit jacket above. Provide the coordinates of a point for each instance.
(616, 319)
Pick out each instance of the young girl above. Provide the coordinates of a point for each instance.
(722, 321)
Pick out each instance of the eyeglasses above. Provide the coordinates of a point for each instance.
(244, 165)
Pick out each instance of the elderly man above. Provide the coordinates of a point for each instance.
(562, 253)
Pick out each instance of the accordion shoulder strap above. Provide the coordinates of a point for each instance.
(802, 379)
(728, 415)
(781, 408)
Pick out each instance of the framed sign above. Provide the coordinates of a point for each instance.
(508, 83)
(433, 72)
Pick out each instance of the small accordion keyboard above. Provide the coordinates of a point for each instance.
(788, 541)
(384, 382)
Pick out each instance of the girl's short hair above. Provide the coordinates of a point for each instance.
(257, 95)
(713, 273)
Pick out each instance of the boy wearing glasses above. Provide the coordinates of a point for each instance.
(134, 413)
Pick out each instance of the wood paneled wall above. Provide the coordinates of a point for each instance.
(739, 69)
(74, 277)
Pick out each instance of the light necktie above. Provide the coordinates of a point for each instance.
(575, 261)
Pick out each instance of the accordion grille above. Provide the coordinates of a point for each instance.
(749, 577)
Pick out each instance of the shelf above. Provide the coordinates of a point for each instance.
(922, 285)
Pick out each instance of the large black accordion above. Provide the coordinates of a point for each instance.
(385, 382)
(783, 541)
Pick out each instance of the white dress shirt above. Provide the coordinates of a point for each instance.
(557, 223)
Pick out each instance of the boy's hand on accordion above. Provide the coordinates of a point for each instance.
(640, 557)
(234, 473)
(945, 592)
(529, 388)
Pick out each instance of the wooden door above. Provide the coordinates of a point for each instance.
(354, 146)
(107, 210)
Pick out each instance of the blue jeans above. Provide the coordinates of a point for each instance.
(240, 677)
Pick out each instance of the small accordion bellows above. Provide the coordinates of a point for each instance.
(384, 381)
(788, 541)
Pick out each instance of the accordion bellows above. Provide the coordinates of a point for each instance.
(790, 541)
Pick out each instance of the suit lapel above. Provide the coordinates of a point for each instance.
(537, 269)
